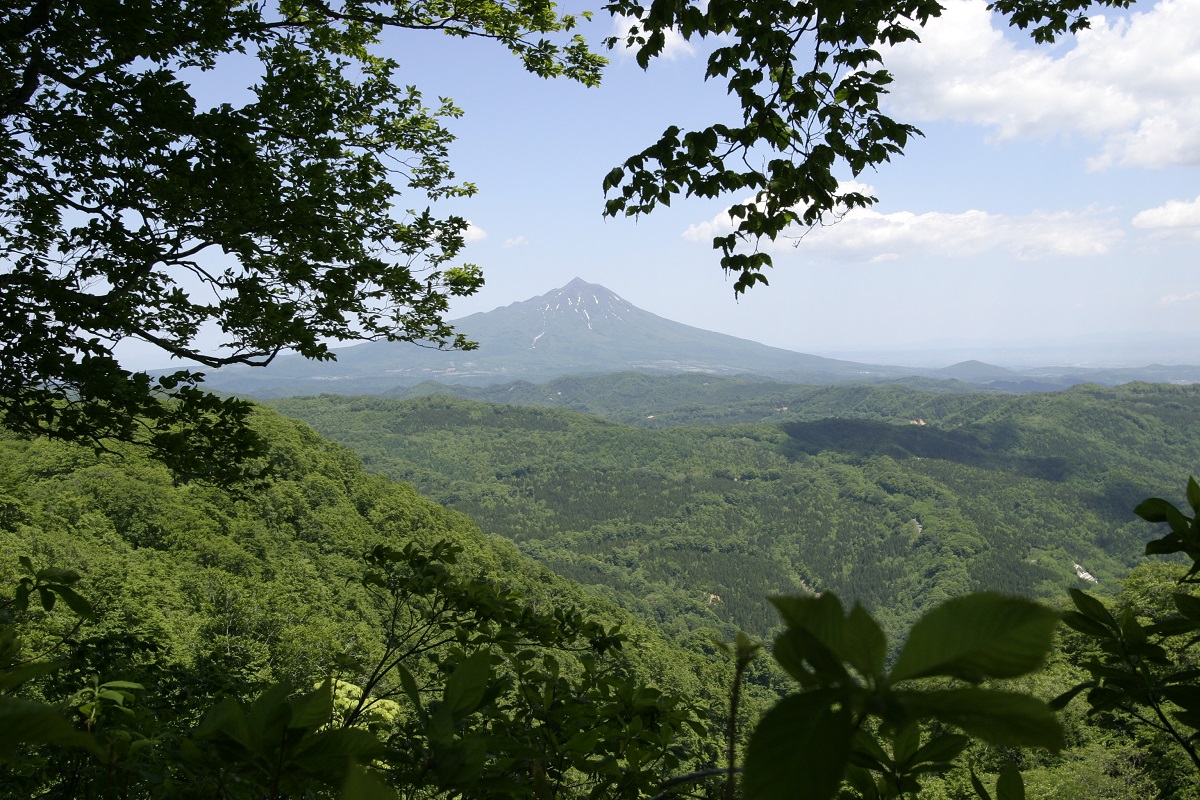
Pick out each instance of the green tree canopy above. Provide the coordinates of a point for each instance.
(130, 210)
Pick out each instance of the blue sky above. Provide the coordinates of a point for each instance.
(1055, 195)
(1051, 213)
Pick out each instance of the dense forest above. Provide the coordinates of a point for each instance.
(178, 639)
(201, 593)
(890, 495)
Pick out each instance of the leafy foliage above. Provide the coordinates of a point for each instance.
(855, 721)
(1134, 672)
(808, 78)
(129, 209)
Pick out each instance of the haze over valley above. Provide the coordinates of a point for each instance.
(585, 329)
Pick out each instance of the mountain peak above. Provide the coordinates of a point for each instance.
(578, 288)
(579, 305)
(579, 284)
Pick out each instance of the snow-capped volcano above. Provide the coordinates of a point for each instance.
(580, 328)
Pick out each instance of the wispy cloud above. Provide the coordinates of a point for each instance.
(516, 241)
(868, 236)
(722, 224)
(674, 47)
(1172, 299)
(1128, 82)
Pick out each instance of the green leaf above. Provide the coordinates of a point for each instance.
(13, 677)
(1158, 510)
(1010, 786)
(941, 749)
(1132, 630)
(1086, 625)
(1173, 626)
(1155, 509)
(820, 633)
(314, 709)
(978, 786)
(131, 685)
(338, 745)
(1060, 702)
(47, 597)
(800, 749)
(977, 636)
(1193, 494)
(29, 722)
(225, 718)
(268, 718)
(613, 178)
(905, 743)
(409, 684)
(867, 752)
(1092, 608)
(1188, 605)
(362, 784)
(997, 717)
(59, 575)
(466, 686)
(864, 645)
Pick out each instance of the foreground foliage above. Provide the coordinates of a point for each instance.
(132, 209)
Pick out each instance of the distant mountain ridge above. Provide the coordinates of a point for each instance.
(585, 329)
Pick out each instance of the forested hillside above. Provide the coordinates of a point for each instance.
(664, 401)
(321, 571)
(364, 624)
(890, 495)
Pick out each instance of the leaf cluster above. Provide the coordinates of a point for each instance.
(857, 722)
(130, 209)
(1137, 671)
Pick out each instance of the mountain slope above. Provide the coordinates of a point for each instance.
(585, 329)
(883, 494)
(581, 328)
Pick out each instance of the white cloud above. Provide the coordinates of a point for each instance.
(1127, 82)
(516, 241)
(867, 236)
(1174, 216)
(1172, 299)
(674, 47)
(474, 233)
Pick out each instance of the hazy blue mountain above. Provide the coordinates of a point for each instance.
(978, 372)
(585, 329)
(579, 329)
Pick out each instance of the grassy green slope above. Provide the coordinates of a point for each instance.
(994, 491)
(248, 589)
